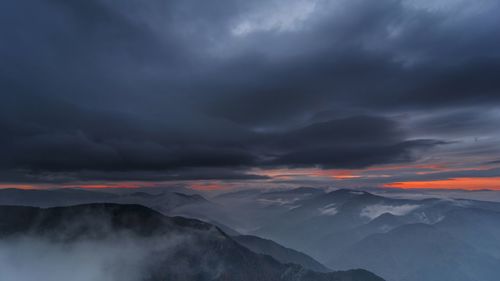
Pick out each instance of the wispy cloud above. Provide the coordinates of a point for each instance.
(373, 211)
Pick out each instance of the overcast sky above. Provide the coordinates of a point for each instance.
(250, 93)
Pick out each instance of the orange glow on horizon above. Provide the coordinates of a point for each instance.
(110, 185)
(18, 186)
(492, 183)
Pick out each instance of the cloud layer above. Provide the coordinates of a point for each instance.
(177, 90)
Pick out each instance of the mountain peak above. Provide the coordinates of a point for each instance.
(349, 192)
(88, 220)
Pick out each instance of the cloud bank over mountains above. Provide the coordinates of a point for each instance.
(180, 90)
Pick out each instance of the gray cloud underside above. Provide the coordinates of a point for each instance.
(170, 89)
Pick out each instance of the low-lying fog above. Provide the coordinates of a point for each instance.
(120, 258)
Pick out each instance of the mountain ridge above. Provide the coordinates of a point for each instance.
(214, 247)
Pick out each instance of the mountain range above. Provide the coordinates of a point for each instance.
(183, 249)
(396, 238)
(399, 239)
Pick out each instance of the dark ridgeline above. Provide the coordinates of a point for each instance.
(206, 249)
(282, 254)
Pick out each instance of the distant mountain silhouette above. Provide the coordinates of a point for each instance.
(419, 252)
(399, 239)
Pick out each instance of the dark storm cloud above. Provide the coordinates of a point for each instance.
(354, 142)
(379, 55)
(292, 90)
(165, 90)
(352, 156)
(60, 137)
(179, 174)
(82, 176)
